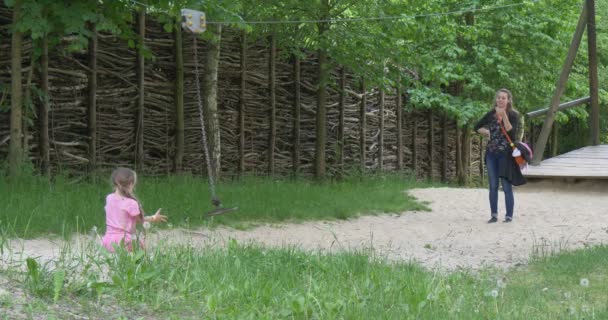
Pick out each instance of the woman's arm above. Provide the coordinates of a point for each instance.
(507, 123)
(480, 126)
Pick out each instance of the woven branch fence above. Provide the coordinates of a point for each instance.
(367, 129)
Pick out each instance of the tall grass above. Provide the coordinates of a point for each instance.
(251, 282)
(35, 206)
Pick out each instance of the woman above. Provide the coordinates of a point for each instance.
(499, 161)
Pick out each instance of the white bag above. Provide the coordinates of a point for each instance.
(516, 153)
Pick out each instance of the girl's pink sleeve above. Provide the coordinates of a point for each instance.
(131, 207)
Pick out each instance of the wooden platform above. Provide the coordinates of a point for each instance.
(585, 163)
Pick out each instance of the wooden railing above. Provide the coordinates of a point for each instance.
(563, 106)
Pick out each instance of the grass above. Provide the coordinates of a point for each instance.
(33, 206)
(242, 281)
(252, 282)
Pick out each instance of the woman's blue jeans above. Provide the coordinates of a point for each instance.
(492, 161)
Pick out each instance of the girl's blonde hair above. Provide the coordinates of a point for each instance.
(509, 95)
(122, 178)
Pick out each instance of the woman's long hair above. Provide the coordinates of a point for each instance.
(122, 178)
(509, 103)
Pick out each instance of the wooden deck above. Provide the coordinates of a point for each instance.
(585, 163)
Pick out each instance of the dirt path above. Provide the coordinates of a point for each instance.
(453, 235)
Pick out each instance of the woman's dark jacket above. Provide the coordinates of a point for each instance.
(507, 167)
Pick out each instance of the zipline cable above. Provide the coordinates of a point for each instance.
(400, 17)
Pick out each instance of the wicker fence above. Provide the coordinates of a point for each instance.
(432, 146)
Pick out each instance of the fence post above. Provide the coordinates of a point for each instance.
(272, 97)
(362, 119)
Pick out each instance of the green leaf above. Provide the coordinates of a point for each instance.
(58, 279)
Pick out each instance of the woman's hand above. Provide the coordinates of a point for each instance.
(500, 113)
(157, 217)
(484, 131)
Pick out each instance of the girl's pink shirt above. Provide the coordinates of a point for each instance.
(121, 214)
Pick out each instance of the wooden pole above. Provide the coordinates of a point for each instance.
(381, 133)
(539, 146)
(28, 100)
(554, 137)
(321, 116)
(141, 22)
(323, 69)
(430, 144)
(341, 119)
(92, 98)
(179, 99)
(414, 145)
(241, 169)
(44, 110)
(444, 147)
(593, 75)
(466, 145)
(273, 104)
(459, 157)
(362, 128)
(296, 114)
(15, 152)
(532, 131)
(399, 128)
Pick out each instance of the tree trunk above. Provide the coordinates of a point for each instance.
(44, 109)
(210, 97)
(139, 150)
(92, 98)
(15, 153)
(273, 104)
(178, 161)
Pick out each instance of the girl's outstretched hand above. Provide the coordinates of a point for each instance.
(157, 217)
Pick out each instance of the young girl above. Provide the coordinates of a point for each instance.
(123, 211)
(495, 124)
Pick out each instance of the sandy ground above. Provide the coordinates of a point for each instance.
(453, 235)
